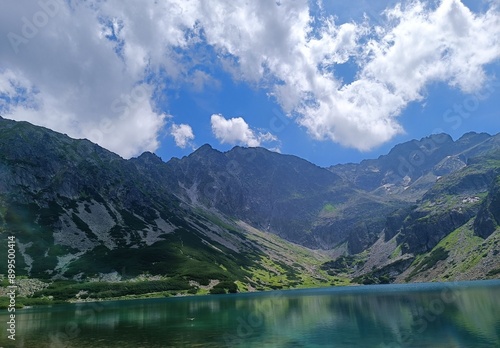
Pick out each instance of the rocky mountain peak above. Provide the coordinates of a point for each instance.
(149, 158)
(204, 149)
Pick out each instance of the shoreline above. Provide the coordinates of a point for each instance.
(396, 287)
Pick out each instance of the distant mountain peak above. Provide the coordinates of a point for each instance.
(473, 133)
(149, 157)
(429, 142)
(205, 147)
(439, 138)
(204, 150)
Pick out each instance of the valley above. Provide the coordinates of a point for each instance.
(91, 225)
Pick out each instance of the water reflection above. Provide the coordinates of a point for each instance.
(459, 315)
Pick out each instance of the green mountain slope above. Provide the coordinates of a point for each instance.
(79, 212)
(451, 233)
(245, 219)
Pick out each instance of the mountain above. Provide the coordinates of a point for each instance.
(283, 195)
(450, 233)
(412, 168)
(248, 218)
(80, 212)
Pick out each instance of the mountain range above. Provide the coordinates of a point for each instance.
(247, 218)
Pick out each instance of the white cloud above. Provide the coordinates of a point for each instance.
(77, 83)
(237, 131)
(82, 70)
(448, 44)
(420, 45)
(183, 134)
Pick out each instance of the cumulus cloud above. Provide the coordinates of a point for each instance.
(236, 131)
(99, 76)
(183, 134)
(449, 44)
(280, 47)
(69, 77)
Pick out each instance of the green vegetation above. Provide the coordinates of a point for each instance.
(329, 209)
(182, 254)
(287, 266)
(131, 221)
(216, 220)
(224, 287)
(82, 226)
(429, 261)
(68, 290)
(396, 253)
(466, 249)
(270, 275)
(386, 274)
(493, 272)
(22, 302)
(343, 264)
(217, 291)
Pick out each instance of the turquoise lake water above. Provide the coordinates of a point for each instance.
(453, 315)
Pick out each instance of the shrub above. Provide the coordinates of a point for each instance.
(217, 291)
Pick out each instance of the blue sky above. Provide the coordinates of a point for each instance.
(328, 81)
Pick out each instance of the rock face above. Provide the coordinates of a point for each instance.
(488, 217)
(78, 209)
(281, 194)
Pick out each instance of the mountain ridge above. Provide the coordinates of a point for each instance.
(80, 211)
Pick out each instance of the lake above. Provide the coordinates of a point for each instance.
(464, 314)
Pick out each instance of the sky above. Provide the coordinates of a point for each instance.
(329, 81)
